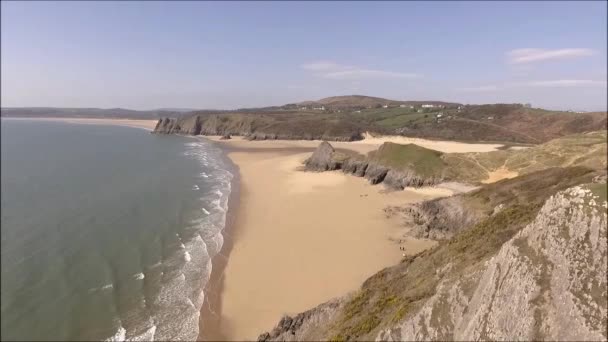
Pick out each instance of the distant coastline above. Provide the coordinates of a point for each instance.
(145, 124)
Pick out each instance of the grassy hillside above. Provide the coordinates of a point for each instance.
(587, 149)
(346, 117)
(423, 161)
(353, 102)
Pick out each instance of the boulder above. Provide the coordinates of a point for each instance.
(323, 159)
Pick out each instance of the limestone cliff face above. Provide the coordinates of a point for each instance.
(261, 127)
(547, 282)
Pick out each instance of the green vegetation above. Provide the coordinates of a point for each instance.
(587, 150)
(600, 190)
(423, 161)
(402, 120)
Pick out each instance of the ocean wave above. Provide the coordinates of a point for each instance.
(148, 335)
(186, 271)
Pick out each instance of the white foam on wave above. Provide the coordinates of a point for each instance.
(205, 211)
(148, 335)
(195, 187)
(139, 276)
(182, 246)
(187, 257)
(155, 265)
(120, 335)
(107, 287)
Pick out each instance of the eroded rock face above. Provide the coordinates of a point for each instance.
(547, 282)
(401, 179)
(376, 173)
(355, 167)
(322, 159)
(437, 219)
(305, 326)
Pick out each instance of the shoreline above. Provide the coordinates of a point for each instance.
(212, 303)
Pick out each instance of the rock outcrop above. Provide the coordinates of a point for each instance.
(304, 326)
(325, 158)
(355, 166)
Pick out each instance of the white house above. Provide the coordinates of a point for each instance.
(402, 106)
(428, 106)
(439, 115)
(385, 106)
(319, 108)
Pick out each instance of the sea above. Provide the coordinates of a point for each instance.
(108, 232)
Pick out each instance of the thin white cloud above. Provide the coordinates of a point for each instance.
(520, 56)
(564, 83)
(538, 84)
(486, 88)
(358, 74)
(336, 71)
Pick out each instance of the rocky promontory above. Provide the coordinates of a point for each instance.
(379, 167)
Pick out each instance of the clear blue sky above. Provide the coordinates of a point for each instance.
(145, 55)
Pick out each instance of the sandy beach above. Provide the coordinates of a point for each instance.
(369, 143)
(145, 124)
(302, 238)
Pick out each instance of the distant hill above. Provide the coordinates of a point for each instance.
(361, 102)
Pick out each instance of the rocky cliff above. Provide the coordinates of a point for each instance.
(532, 270)
(441, 218)
(263, 127)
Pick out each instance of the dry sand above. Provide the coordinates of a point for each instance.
(302, 238)
(366, 145)
(145, 124)
(499, 174)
